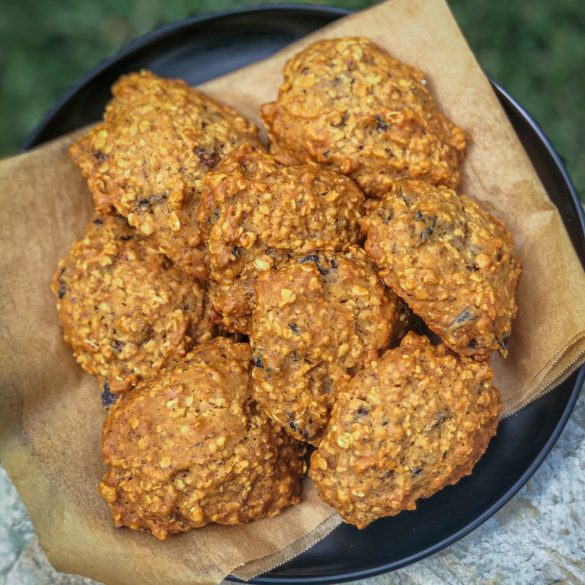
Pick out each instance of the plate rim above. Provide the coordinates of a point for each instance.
(33, 139)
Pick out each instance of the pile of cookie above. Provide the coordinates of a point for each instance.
(327, 304)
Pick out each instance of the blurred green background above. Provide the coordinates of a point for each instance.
(535, 49)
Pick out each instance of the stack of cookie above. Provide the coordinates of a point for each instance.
(242, 306)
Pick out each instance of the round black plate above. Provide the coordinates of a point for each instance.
(199, 49)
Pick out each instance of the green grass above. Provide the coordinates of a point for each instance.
(535, 49)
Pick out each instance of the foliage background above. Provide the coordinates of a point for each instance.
(535, 49)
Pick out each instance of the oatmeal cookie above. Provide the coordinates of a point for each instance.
(450, 260)
(318, 320)
(158, 139)
(350, 106)
(260, 213)
(124, 307)
(416, 420)
(190, 447)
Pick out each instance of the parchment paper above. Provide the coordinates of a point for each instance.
(50, 417)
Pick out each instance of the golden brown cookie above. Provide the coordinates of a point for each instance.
(416, 420)
(350, 106)
(450, 260)
(190, 447)
(126, 310)
(146, 159)
(318, 320)
(260, 213)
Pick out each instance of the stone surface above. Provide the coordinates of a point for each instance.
(537, 538)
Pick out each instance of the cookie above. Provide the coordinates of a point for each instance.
(451, 261)
(126, 310)
(416, 420)
(190, 448)
(317, 321)
(348, 105)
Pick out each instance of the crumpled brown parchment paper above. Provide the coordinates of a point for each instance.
(50, 414)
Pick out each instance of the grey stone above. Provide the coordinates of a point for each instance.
(538, 538)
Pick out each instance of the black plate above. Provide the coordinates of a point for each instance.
(199, 49)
